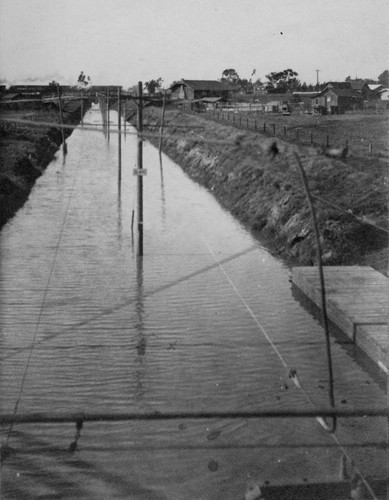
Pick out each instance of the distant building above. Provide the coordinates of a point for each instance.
(361, 87)
(336, 99)
(384, 94)
(259, 88)
(304, 100)
(336, 85)
(197, 89)
(373, 90)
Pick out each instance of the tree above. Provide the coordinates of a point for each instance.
(53, 85)
(153, 85)
(383, 79)
(245, 85)
(304, 87)
(283, 81)
(83, 81)
(230, 75)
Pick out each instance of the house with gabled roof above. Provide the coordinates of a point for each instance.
(338, 99)
(198, 89)
(373, 90)
(336, 85)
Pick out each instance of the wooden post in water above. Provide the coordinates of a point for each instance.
(140, 168)
(274, 129)
(119, 136)
(162, 122)
(108, 113)
(65, 149)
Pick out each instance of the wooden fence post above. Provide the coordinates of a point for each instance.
(64, 146)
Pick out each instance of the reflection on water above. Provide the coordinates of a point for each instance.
(140, 329)
(113, 332)
(163, 199)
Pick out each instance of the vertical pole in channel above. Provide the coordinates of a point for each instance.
(108, 114)
(162, 122)
(140, 168)
(119, 136)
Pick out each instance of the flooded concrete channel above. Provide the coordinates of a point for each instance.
(205, 321)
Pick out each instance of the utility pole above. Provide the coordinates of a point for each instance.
(317, 78)
(140, 170)
(162, 122)
(120, 136)
(108, 113)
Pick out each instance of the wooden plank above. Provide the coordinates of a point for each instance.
(357, 302)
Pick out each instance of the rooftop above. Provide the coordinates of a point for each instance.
(205, 85)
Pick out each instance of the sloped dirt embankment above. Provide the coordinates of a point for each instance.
(265, 192)
(25, 152)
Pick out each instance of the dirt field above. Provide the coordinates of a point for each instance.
(365, 134)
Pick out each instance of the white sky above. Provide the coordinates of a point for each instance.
(120, 42)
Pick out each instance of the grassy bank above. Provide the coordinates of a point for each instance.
(264, 190)
(25, 151)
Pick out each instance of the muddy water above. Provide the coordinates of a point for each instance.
(206, 320)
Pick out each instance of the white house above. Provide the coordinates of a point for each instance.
(384, 94)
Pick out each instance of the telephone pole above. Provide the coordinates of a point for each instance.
(120, 136)
(140, 170)
(108, 114)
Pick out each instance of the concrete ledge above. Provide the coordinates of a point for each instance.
(357, 302)
(373, 340)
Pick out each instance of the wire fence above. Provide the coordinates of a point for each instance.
(300, 134)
